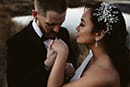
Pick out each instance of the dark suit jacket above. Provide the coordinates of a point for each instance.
(25, 55)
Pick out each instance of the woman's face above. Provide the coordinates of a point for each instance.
(84, 30)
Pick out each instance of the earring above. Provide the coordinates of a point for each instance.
(96, 43)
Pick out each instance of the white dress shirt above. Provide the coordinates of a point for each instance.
(39, 33)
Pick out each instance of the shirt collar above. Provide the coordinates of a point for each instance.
(39, 33)
(37, 29)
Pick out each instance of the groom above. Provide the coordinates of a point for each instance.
(27, 52)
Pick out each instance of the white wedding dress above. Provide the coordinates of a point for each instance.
(81, 68)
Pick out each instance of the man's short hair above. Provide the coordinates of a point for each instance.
(42, 6)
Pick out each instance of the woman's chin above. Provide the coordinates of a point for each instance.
(78, 41)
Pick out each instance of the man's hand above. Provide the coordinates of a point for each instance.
(69, 70)
(51, 56)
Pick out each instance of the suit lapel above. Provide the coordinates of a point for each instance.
(36, 41)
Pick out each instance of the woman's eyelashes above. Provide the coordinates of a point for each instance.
(81, 24)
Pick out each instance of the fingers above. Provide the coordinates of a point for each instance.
(49, 49)
(69, 70)
(50, 44)
(51, 56)
(59, 45)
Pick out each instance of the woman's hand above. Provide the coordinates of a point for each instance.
(55, 46)
(60, 46)
(56, 77)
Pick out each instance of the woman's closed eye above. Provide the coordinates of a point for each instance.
(81, 24)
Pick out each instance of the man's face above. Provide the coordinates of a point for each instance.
(51, 22)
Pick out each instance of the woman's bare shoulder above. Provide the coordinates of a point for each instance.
(102, 77)
(96, 77)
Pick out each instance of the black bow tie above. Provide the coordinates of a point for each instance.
(46, 37)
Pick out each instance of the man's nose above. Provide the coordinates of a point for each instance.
(56, 28)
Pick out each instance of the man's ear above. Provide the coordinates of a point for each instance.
(100, 35)
(34, 13)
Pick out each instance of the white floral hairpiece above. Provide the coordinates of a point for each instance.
(105, 13)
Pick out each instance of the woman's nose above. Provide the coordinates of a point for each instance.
(77, 28)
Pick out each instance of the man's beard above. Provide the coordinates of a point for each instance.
(51, 34)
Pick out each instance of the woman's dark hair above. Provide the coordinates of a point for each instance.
(114, 40)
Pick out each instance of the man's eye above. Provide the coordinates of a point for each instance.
(50, 24)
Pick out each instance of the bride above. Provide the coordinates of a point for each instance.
(103, 31)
